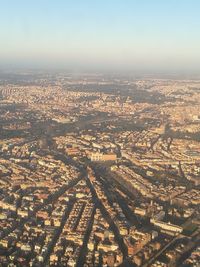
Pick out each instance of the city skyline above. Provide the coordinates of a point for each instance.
(99, 133)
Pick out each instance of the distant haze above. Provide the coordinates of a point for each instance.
(121, 35)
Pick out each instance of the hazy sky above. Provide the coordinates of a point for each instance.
(147, 35)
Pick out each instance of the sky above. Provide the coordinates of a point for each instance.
(118, 35)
